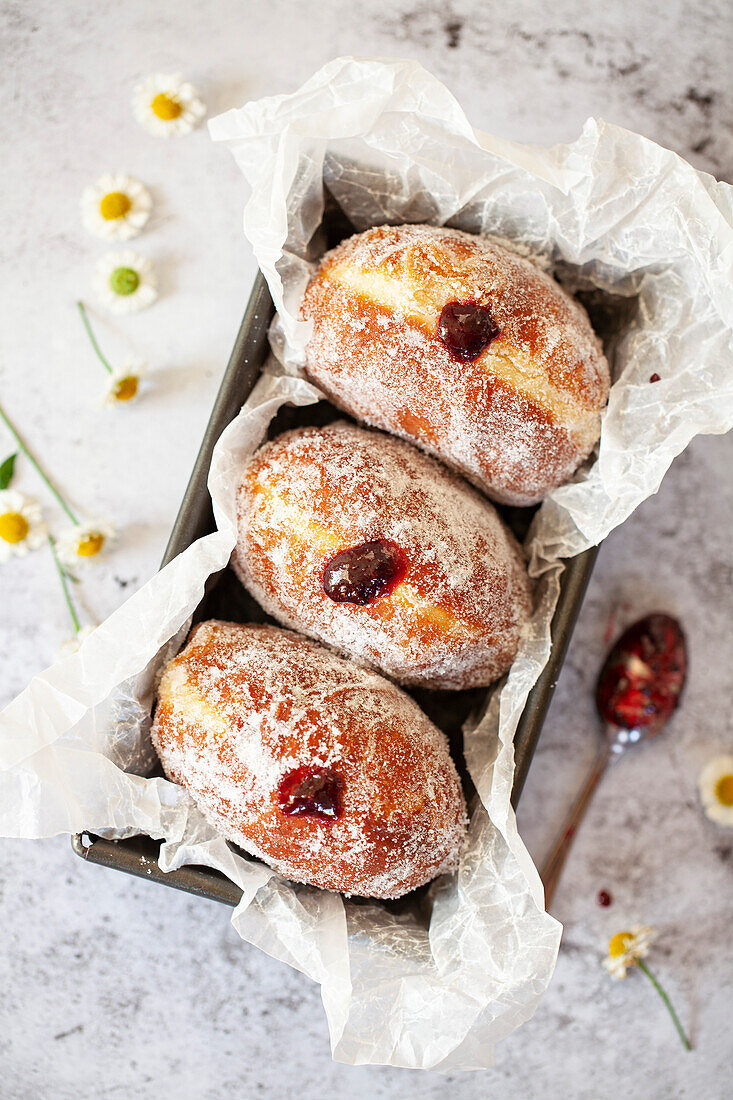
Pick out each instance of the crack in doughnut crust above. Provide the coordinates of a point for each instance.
(520, 418)
(454, 617)
(242, 706)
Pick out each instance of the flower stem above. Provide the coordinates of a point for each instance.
(93, 338)
(39, 471)
(685, 1041)
(64, 585)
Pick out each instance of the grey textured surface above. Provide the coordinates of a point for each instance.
(113, 987)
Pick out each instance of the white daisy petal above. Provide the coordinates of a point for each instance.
(616, 967)
(165, 105)
(715, 784)
(21, 525)
(116, 207)
(84, 543)
(125, 282)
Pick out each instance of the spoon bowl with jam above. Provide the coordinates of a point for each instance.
(638, 690)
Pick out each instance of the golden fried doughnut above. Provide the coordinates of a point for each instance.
(362, 541)
(326, 771)
(465, 347)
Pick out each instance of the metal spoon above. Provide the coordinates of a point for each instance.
(638, 690)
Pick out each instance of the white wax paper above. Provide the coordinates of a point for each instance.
(433, 987)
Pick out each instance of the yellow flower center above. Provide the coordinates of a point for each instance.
(126, 388)
(166, 107)
(114, 205)
(90, 545)
(723, 788)
(619, 943)
(13, 527)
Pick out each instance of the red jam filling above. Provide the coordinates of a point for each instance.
(310, 792)
(364, 573)
(466, 329)
(641, 682)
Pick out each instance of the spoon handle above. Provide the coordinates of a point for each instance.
(555, 861)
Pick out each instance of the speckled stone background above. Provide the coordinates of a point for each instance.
(113, 987)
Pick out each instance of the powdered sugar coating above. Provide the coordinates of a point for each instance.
(454, 618)
(242, 705)
(519, 419)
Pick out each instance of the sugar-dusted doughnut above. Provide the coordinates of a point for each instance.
(358, 539)
(463, 346)
(326, 771)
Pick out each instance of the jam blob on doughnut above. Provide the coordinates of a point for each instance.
(312, 791)
(325, 771)
(364, 573)
(464, 347)
(466, 329)
(360, 540)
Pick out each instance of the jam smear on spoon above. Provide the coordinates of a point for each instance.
(364, 573)
(310, 792)
(466, 329)
(642, 679)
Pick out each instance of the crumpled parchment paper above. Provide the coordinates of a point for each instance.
(434, 988)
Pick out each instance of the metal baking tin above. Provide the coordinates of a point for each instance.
(225, 598)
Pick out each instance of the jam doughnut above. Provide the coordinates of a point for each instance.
(326, 771)
(455, 342)
(362, 541)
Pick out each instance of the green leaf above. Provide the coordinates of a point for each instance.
(6, 471)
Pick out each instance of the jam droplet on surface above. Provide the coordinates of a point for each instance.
(642, 679)
(310, 792)
(655, 377)
(364, 573)
(466, 329)
(604, 898)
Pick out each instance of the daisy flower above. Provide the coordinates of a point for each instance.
(77, 545)
(626, 948)
(125, 282)
(715, 784)
(116, 207)
(166, 105)
(21, 526)
(74, 643)
(124, 383)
